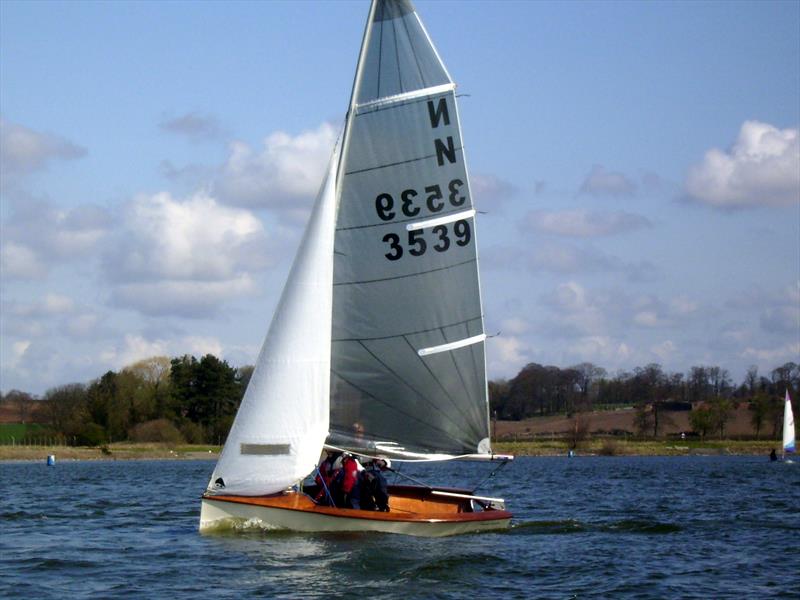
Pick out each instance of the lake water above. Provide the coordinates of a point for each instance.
(587, 527)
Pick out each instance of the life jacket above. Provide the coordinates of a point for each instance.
(349, 474)
(325, 475)
(326, 471)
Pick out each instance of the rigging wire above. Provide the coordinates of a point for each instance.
(490, 475)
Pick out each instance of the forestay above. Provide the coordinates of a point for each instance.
(281, 425)
(408, 363)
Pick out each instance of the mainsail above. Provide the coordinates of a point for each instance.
(408, 367)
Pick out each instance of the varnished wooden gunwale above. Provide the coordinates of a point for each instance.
(407, 504)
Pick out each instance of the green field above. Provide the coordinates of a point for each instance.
(616, 447)
(17, 433)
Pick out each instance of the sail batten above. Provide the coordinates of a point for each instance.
(476, 339)
(386, 102)
(466, 214)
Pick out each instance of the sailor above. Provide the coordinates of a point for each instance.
(350, 488)
(325, 475)
(374, 492)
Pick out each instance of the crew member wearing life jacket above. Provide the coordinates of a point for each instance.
(350, 487)
(325, 475)
(344, 485)
(373, 490)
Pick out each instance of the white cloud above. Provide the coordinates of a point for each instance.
(781, 319)
(285, 175)
(664, 350)
(647, 318)
(23, 150)
(579, 312)
(18, 261)
(601, 350)
(515, 326)
(200, 346)
(38, 235)
(186, 298)
(600, 181)
(761, 169)
(489, 192)
(507, 354)
(85, 325)
(184, 257)
(683, 305)
(19, 349)
(584, 223)
(774, 355)
(556, 257)
(196, 238)
(137, 347)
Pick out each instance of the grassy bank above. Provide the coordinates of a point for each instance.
(615, 447)
(120, 451)
(599, 446)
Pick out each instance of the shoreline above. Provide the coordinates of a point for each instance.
(112, 452)
(596, 447)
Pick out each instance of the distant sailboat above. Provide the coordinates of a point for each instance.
(377, 344)
(788, 427)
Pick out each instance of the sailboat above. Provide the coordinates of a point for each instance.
(788, 427)
(377, 345)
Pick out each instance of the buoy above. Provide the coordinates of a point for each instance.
(51, 460)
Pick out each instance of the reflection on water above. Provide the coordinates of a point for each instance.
(690, 527)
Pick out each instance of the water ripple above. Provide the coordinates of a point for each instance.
(623, 527)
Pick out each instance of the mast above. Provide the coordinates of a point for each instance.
(356, 81)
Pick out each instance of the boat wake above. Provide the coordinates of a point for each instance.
(573, 526)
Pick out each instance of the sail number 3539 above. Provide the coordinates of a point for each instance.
(417, 245)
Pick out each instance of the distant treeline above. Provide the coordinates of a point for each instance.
(154, 400)
(189, 400)
(709, 391)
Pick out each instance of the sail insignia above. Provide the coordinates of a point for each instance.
(265, 449)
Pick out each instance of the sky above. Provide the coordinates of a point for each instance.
(636, 165)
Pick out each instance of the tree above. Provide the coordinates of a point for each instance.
(751, 379)
(643, 418)
(205, 392)
(151, 399)
(588, 375)
(579, 429)
(66, 410)
(701, 421)
(721, 412)
(22, 403)
(498, 396)
(759, 411)
(243, 376)
(698, 384)
(787, 376)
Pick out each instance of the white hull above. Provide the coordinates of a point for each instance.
(218, 515)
